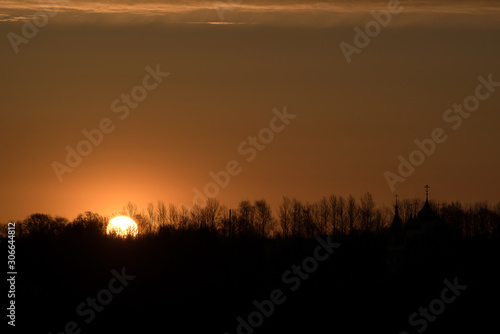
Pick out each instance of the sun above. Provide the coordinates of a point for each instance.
(122, 226)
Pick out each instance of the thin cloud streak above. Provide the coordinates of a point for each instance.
(245, 12)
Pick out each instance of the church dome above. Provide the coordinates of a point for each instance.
(426, 213)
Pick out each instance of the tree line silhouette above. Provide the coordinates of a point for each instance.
(200, 268)
(331, 215)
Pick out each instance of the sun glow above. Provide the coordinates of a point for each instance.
(122, 226)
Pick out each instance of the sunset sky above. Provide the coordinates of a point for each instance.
(233, 66)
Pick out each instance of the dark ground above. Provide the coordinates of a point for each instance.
(195, 282)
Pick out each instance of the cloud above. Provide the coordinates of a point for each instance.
(241, 11)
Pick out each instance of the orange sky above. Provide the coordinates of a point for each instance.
(352, 121)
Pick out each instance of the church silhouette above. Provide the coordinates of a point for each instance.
(422, 234)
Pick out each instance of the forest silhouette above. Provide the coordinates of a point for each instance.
(200, 269)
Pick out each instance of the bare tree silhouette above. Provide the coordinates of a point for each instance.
(212, 212)
(367, 212)
(263, 216)
(284, 214)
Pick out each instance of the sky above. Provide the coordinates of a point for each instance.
(329, 110)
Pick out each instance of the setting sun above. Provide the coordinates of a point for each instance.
(122, 226)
